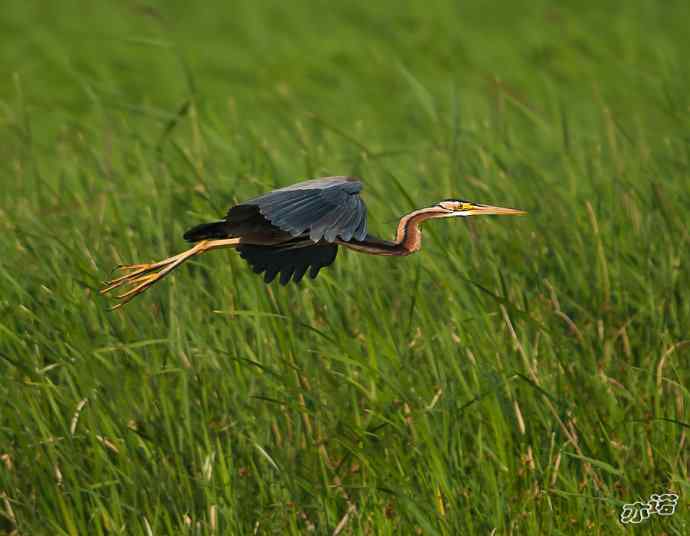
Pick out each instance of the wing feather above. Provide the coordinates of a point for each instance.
(328, 221)
(360, 232)
(290, 262)
(325, 209)
(342, 221)
(355, 216)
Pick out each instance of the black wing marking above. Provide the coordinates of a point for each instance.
(327, 208)
(290, 262)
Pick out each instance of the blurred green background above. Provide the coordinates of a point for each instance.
(517, 376)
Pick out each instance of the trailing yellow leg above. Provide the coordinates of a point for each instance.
(142, 276)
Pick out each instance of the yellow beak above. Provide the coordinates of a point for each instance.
(476, 210)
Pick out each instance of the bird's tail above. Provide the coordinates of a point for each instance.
(204, 231)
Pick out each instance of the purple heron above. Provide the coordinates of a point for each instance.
(294, 229)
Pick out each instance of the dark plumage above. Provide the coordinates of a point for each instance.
(294, 227)
(287, 261)
(328, 208)
(295, 230)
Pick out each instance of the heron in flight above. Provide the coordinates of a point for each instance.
(294, 229)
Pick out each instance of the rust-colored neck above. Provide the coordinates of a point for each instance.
(409, 235)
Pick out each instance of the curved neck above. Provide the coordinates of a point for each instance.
(408, 238)
(409, 234)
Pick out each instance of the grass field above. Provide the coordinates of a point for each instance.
(518, 376)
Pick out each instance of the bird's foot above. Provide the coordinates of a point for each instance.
(139, 284)
(139, 277)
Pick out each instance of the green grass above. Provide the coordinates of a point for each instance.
(518, 376)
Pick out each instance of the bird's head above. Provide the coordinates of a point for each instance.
(451, 208)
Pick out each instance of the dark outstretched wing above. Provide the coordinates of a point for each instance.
(326, 208)
(290, 262)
